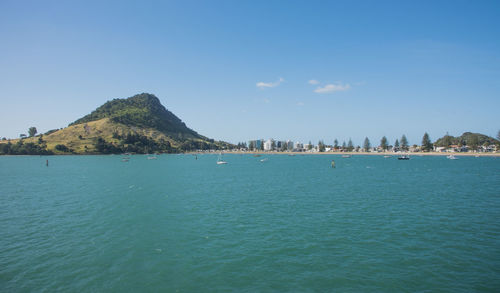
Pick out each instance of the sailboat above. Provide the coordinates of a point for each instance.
(220, 161)
(452, 157)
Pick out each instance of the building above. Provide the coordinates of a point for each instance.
(268, 145)
(298, 146)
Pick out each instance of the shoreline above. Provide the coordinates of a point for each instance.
(362, 153)
(286, 153)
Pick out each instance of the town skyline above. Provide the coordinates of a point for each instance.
(465, 143)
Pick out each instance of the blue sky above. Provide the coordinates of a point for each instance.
(240, 70)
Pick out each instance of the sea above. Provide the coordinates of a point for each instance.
(275, 223)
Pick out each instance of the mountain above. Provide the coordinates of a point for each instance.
(467, 138)
(144, 111)
(139, 124)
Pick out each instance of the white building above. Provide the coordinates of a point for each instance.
(298, 146)
(268, 145)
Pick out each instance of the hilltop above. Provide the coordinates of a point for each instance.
(139, 124)
(143, 111)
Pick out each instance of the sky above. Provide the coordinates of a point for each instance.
(241, 70)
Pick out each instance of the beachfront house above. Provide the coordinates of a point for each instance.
(440, 149)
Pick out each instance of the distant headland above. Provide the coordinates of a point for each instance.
(139, 124)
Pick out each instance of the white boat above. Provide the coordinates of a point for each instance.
(346, 156)
(152, 158)
(452, 157)
(404, 157)
(220, 161)
(263, 160)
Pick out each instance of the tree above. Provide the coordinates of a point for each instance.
(426, 143)
(498, 135)
(336, 144)
(22, 135)
(309, 146)
(473, 142)
(383, 143)
(273, 145)
(366, 145)
(350, 146)
(404, 143)
(396, 144)
(343, 146)
(321, 146)
(284, 146)
(32, 131)
(62, 148)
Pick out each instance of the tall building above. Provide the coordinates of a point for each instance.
(268, 145)
(258, 144)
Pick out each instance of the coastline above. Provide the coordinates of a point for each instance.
(363, 153)
(416, 154)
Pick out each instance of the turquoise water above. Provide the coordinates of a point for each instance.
(177, 224)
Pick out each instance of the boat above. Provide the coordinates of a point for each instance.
(152, 158)
(404, 157)
(452, 157)
(220, 161)
(256, 155)
(387, 156)
(263, 160)
(346, 156)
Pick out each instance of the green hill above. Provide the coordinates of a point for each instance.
(467, 138)
(139, 124)
(143, 110)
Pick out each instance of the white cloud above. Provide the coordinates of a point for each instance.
(263, 85)
(331, 88)
(300, 104)
(313, 81)
(267, 101)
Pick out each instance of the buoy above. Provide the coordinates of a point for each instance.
(47, 163)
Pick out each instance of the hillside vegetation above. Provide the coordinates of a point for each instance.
(466, 139)
(142, 111)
